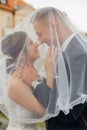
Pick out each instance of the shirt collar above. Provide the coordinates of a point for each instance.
(65, 44)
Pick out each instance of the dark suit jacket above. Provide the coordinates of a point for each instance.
(77, 118)
(46, 95)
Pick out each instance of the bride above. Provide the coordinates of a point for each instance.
(17, 70)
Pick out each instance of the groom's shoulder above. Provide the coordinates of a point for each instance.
(77, 45)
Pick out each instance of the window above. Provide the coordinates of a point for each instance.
(8, 21)
(3, 1)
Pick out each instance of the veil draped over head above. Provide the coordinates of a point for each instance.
(45, 28)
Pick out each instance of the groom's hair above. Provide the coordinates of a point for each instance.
(43, 15)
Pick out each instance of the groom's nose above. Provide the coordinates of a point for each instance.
(37, 44)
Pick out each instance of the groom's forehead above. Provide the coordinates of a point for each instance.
(38, 27)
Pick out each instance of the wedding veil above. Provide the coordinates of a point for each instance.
(70, 66)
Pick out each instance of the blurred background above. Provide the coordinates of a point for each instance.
(13, 11)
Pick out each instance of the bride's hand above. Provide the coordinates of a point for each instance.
(49, 63)
(49, 67)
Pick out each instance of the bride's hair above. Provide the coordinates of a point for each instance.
(13, 44)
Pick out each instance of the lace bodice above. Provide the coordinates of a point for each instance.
(19, 126)
(19, 117)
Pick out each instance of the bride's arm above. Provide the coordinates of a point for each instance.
(20, 93)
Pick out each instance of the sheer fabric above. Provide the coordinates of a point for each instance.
(69, 64)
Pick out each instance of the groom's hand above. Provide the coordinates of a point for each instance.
(27, 73)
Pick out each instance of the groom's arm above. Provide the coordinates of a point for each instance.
(42, 93)
(46, 96)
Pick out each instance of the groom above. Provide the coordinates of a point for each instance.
(76, 119)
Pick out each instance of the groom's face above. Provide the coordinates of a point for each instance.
(43, 32)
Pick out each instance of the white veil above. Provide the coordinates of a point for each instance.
(70, 66)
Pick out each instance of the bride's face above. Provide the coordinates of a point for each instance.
(32, 50)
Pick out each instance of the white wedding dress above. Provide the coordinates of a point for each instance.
(17, 126)
(19, 117)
